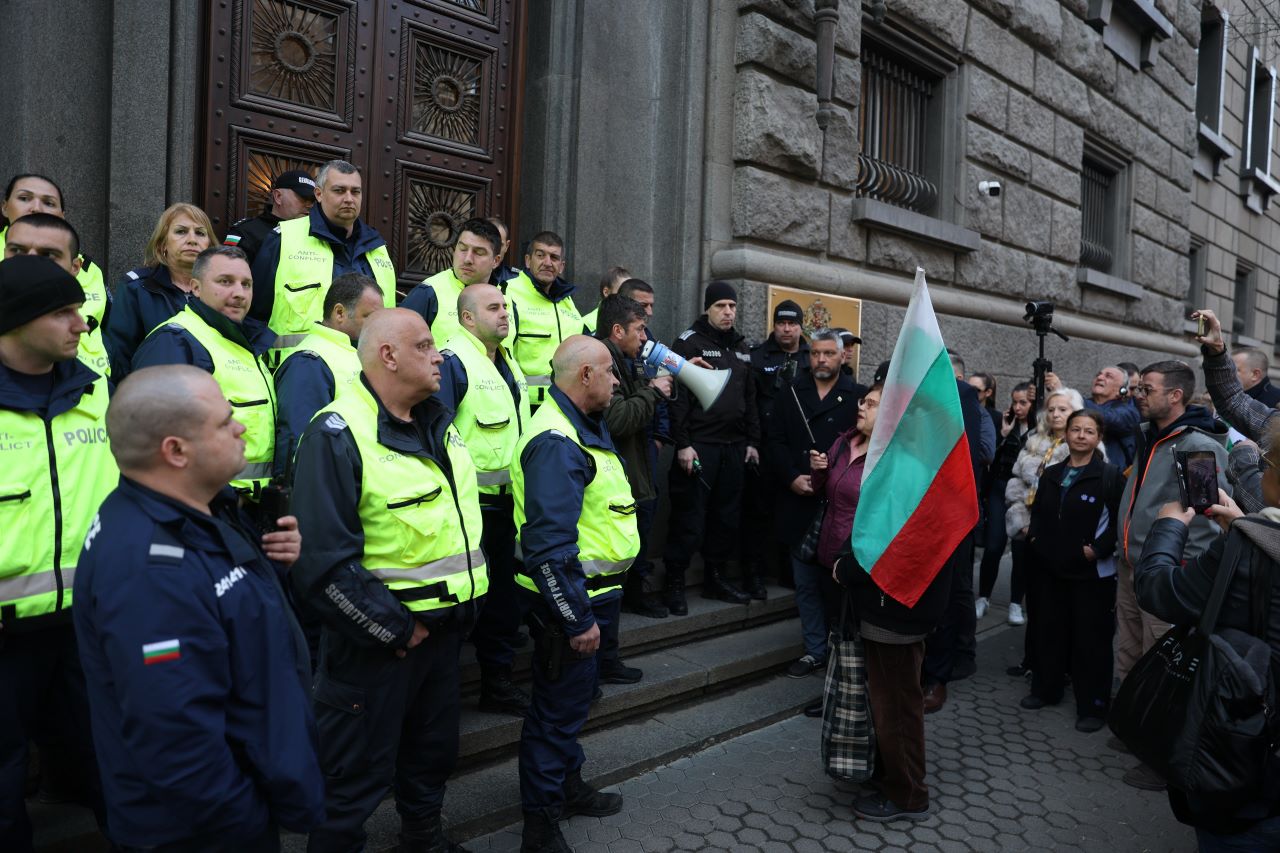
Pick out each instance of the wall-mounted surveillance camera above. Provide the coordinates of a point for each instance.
(991, 188)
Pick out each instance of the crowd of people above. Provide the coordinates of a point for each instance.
(281, 504)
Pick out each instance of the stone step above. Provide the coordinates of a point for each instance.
(640, 635)
(671, 676)
(707, 676)
(486, 798)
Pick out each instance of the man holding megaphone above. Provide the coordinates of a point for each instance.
(715, 438)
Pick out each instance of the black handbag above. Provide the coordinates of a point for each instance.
(806, 550)
(1199, 707)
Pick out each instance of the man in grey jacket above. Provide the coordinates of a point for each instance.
(1169, 426)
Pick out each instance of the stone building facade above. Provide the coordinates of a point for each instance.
(679, 140)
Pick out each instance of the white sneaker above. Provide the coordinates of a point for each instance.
(1016, 616)
(980, 605)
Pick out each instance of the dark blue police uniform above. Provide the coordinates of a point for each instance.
(197, 677)
(144, 298)
(556, 474)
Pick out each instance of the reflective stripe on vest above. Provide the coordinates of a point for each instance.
(541, 326)
(46, 513)
(421, 537)
(247, 387)
(433, 571)
(608, 538)
(36, 583)
(493, 478)
(488, 416)
(538, 380)
(289, 341)
(305, 272)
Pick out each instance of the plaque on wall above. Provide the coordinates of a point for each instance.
(822, 311)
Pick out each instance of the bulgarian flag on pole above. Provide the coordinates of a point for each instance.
(918, 498)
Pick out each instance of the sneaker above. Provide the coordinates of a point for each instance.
(980, 606)
(1144, 778)
(1016, 616)
(881, 809)
(807, 665)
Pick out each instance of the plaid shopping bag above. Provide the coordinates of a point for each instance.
(848, 746)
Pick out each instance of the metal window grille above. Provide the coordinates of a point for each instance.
(1097, 233)
(894, 129)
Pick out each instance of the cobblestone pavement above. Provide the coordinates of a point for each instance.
(1001, 778)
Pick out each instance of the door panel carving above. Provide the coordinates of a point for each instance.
(422, 95)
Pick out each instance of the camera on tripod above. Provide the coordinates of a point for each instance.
(1040, 316)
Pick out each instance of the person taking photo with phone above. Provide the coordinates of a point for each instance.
(1169, 425)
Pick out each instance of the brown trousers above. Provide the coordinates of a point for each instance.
(897, 707)
(1136, 629)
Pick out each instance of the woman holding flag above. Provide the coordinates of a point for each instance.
(915, 502)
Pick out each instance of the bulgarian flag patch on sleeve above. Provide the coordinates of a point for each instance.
(161, 652)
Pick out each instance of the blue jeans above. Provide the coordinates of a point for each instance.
(811, 601)
(1263, 835)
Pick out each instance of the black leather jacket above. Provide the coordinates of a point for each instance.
(1177, 593)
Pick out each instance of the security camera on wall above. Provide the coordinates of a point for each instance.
(991, 188)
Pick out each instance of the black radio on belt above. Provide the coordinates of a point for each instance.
(275, 497)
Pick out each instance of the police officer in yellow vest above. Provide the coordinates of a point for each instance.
(55, 469)
(215, 335)
(576, 524)
(475, 256)
(542, 304)
(27, 194)
(302, 257)
(388, 505)
(325, 363)
(53, 237)
(481, 382)
(610, 282)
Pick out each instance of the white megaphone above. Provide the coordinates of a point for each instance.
(705, 384)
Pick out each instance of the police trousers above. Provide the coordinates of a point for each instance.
(384, 721)
(705, 506)
(42, 698)
(498, 623)
(549, 748)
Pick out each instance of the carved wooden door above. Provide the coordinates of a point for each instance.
(423, 95)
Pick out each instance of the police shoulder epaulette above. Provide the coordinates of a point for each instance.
(174, 327)
(557, 433)
(165, 548)
(132, 275)
(445, 353)
(276, 229)
(334, 422)
(686, 334)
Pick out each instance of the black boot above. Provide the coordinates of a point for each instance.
(498, 693)
(673, 590)
(581, 798)
(636, 600)
(751, 583)
(542, 834)
(715, 586)
(426, 836)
